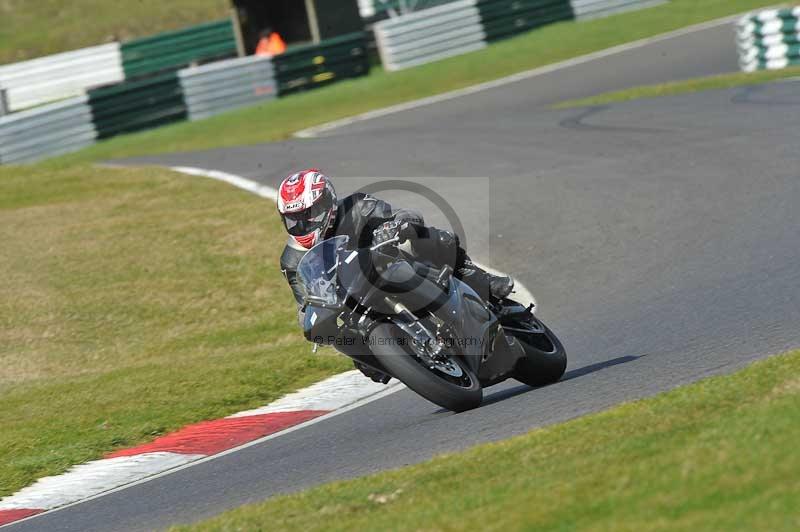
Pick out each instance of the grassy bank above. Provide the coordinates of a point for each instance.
(30, 29)
(277, 120)
(133, 302)
(715, 455)
(727, 81)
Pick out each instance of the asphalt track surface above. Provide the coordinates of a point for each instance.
(662, 238)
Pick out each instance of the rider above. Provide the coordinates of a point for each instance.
(311, 213)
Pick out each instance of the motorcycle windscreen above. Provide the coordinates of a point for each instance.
(317, 272)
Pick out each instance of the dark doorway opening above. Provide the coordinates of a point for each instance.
(337, 17)
(288, 17)
(297, 21)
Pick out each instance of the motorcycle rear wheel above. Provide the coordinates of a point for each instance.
(458, 395)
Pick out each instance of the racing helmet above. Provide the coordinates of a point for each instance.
(307, 204)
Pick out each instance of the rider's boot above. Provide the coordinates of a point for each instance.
(486, 284)
(499, 286)
(375, 375)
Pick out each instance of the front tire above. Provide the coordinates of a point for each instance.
(409, 369)
(545, 358)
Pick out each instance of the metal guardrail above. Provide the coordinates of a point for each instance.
(4, 110)
(588, 9)
(218, 87)
(468, 25)
(429, 35)
(45, 131)
(506, 18)
(380, 9)
(769, 39)
(177, 49)
(136, 105)
(54, 77)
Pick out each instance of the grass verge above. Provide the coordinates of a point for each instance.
(133, 302)
(33, 29)
(279, 119)
(719, 454)
(726, 81)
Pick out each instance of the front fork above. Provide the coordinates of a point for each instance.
(425, 343)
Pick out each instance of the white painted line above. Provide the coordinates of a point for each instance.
(87, 480)
(331, 394)
(235, 180)
(514, 78)
(97, 478)
(389, 389)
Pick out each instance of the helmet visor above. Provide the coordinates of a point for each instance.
(306, 222)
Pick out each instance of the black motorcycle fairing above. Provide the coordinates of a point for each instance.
(402, 280)
(374, 287)
(326, 329)
(320, 324)
(483, 343)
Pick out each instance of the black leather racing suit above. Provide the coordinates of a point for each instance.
(358, 215)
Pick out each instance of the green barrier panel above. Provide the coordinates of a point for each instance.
(505, 18)
(311, 66)
(385, 5)
(769, 40)
(775, 40)
(774, 64)
(176, 49)
(764, 29)
(786, 13)
(136, 105)
(790, 51)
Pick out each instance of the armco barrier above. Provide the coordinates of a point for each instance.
(769, 40)
(379, 9)
(59, 76)
(4, 110)
(314, 65)
(137, 105)
(467, 25)
(48, 130)
(217, 87)
(176, 49)
(506, 18)
(587, 9)
(430, 35)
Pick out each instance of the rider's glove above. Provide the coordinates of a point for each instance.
(406, 231)
(387, 231)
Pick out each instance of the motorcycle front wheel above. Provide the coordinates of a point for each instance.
(452, 386)
(545, 359)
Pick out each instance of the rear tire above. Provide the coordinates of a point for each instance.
(545, 358)
(407, 368)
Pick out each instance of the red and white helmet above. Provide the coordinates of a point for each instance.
(307, 203)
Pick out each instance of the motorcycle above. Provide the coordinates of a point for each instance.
(421, 325)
